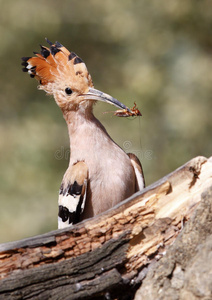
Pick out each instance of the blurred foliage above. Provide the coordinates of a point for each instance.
(157, 53)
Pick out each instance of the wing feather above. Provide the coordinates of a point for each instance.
(72, 195)
(140, 181)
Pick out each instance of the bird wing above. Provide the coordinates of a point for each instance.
(72, 194)
(140, 181)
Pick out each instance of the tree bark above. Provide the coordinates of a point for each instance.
(106, 257)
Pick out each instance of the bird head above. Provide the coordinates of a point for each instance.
(64, 75)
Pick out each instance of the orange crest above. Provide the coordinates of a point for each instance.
(57, 65)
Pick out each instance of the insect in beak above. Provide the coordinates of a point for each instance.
(134, 112)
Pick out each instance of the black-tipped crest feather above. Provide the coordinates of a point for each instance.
(54, 50)
(44, 52)
(49, 42)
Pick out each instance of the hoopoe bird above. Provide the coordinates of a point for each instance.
(100, 174)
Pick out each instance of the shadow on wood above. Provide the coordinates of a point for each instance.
(108, 256)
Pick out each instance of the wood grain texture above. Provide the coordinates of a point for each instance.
(102, 257)
(185, 271)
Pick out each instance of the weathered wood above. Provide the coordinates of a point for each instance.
(93, 271)
(104, 254)
(184, 273)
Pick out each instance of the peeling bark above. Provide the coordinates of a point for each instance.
(108, 256)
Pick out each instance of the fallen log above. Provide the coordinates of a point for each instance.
(106, 257)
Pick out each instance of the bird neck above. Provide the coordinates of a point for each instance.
(87, 135)
(80, 119)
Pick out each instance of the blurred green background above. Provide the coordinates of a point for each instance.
(157, 53)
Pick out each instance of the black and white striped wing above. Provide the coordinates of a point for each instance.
(72, 195)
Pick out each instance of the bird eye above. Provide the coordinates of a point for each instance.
(68, 91)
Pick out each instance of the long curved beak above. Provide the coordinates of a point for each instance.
(94, 94)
